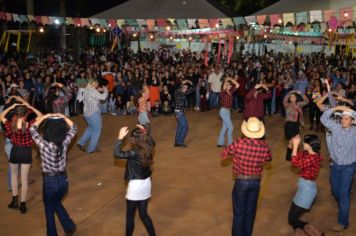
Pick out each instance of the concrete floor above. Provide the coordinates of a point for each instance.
(191, 192)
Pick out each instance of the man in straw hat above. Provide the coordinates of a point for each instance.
(343, 159)
(249, 153)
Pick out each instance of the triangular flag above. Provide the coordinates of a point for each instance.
(31, 18)
(69, 21)
(288, 18)
(261, 19)
(16, 17)
(23, 18)
(316, 16)
(203, 23)
(191, 23)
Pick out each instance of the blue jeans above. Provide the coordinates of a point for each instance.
(213, 100)
(197, 97)
(143, 118)
(227, 126)
(54, 189)
(244, 201)
(341, 180)
(182, 127)
(92, 132)
(8, 147)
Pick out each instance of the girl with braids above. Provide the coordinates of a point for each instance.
(137, 173)
(18, 131)
(53, 148)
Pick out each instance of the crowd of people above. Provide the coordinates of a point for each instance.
(149, 83)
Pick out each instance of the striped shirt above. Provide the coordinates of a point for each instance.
(92, 98)
(342, 140)
(51, 163)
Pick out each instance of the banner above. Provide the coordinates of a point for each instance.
(261, 19)
(182, 24)
(275, 19)
(316, 16)
(250, 19)
(302, 17)
(239, 21)
(204, 23)
(191, 23)
(288, 18)
(227, 22)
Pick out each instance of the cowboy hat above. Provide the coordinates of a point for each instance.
(253, 128)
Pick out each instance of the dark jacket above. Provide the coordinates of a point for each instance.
(134, 168)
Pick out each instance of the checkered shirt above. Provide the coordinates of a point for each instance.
(18, 138)
(308, 165)
(48, 150)
(142, 102)
(226, 98)
(248, 155)
(92, 100)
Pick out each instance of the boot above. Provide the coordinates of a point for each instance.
(23, 208)
(14, 204)
(289, 154)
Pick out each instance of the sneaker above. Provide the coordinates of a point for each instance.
(180, 145)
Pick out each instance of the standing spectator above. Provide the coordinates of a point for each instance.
(301, 84)
(215, 82)
(249, 153)
(92, 97)
(254, 102)
(143, 107)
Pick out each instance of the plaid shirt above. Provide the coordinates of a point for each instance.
(50, 160)
(180, 97)
(248, 155)
(226, 98)
(18, 138)
(142, 102)
(307, 164)
(92, 98)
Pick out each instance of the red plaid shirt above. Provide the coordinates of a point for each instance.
(142, 102)
(19, 138)
(308, 164)
(226, 98)
(248, 155)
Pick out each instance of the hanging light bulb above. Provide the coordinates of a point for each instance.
(109, 25)
(151, 36)
(41, 30)
(91, 27)
(330, 30)
(280, 21)
(237, 37)
(104, 30)
(216, 25)
(168, 28)
(190, 38)
(265, 36)
(171, 38)
(78, 25)
(97, 30)
(346, 14)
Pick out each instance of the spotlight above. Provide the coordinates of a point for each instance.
(41, 30)
(56, 21)
(97, 30)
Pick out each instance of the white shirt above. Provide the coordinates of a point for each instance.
(215, 81)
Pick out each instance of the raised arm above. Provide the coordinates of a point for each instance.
(7, 110)
(118, 152)
(320, 102)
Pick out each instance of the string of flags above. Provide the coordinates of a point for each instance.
(330, 19)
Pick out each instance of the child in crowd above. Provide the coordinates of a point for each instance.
(156, 109)
(120, 107)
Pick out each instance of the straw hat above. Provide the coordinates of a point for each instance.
(253, 128)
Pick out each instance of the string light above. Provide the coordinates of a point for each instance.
(104, 30)
(280, 21)
(346, 14)
(216, 25)
(237, 37)
(97, 30)
(109, 25)
(190, 38)
(56, 21)
(78, 25)
(171, 38)
(151, 36)
(91, 27)
(134, 35)
(41, 30)
(265, 36)
(168, 28)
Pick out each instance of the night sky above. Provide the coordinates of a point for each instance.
(83, 8)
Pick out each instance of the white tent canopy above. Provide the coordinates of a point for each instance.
(162, 9)
(286, 6)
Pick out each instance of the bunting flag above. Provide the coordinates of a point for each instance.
(131, 22)
(69, 20)
(239, 21)
(23, 18)
(204, 23)
(182, 24)
(162, 23)
(85, 21)
(213, 23)
(140, 22)
(150, 24)
(346, 16)
(261, 19)
(112, 23)
(2, 16)
(120, 22)
(323, 27)
(328, 14)
(8, 16)
(288, 18)
(333, 23)
(250, 19)
(44, 20)
(94, 21)
(227, 23)
(191, 23)
(103, 23)
(275, 19)
(302, 17)
(172, 21)
(77, 21)
(31, 18)
(16, 18)
(316, 16)
(51, 20)
(38, 19)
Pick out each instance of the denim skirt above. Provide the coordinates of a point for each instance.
(306, 193)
